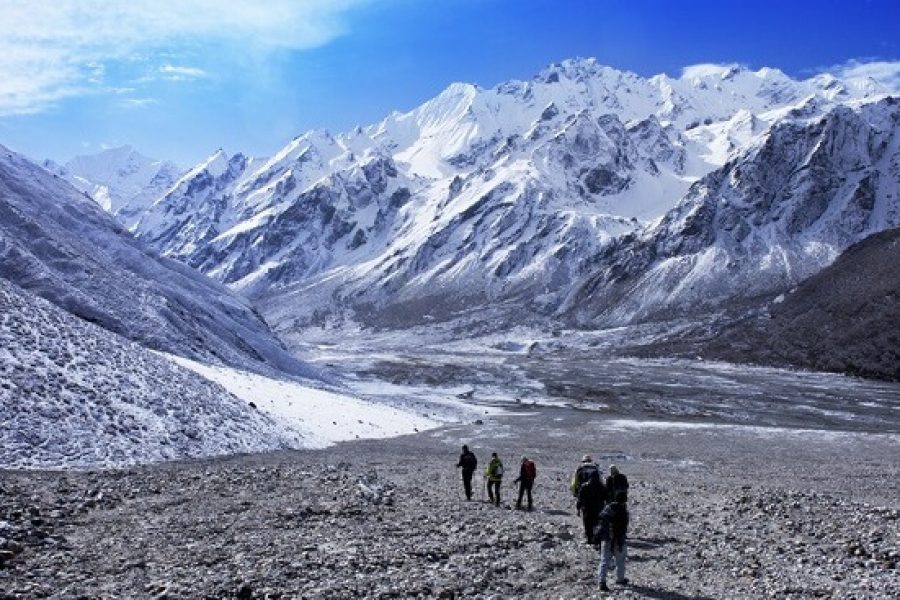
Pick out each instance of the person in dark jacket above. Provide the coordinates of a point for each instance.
(616, 482)
(527, 473)
(591, 498)
(613, 534)
(468, 463)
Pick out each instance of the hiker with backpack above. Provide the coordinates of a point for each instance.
(615, 483)
(468, 463)
(527, 473)
(494, 476)
(585, 471)
(613, 533)
(590, 494)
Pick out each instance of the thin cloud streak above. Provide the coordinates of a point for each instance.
(178, 73)
(138, 102)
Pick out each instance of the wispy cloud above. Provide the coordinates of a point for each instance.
(177, 73)
(53, 49)
(138, 102)
(886, 73)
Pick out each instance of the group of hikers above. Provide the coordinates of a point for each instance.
(602, 504)
(493, 476)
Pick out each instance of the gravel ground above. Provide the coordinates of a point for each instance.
(717, 512)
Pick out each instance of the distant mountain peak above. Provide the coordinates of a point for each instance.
(711, 71)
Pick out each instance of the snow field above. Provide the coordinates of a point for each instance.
(315, 418)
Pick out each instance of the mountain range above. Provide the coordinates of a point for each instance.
(585, 195)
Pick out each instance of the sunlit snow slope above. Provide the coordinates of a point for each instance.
(314, 417)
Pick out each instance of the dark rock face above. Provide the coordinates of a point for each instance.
(842, 319)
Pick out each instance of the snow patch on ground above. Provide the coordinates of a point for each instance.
(316, 418)
(632, 424)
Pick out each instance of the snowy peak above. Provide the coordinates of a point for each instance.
(709, 71)
(121, 180)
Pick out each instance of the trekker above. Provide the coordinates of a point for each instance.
(527, 473)
(615, 483)
(494, 475)
(586, 469)
(468, 463)
(591, 499)
(613, 534)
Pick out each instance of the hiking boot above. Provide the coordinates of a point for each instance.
(604, 587)
(622, 581)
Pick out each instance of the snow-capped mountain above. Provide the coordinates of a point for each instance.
(121, 180)
(57, 243)
(768, 219)
(478, 195)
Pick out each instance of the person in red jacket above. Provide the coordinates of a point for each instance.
(527, 473)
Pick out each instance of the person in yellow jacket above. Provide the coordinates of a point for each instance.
(494, 475)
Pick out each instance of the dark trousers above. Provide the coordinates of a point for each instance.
(467, 484)
(494, 491)
(524, 487)
(590, 518)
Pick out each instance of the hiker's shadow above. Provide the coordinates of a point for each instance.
(659, 594)
(650, 543)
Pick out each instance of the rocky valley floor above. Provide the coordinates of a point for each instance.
(718, 511)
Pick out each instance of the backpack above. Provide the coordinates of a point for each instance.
(498, 470)
(530, 470)
(591, 493)
(589, 473)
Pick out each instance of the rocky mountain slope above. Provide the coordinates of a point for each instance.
(768, 219)
(75, 395)
(58, 244)
(509, 194)
(841, 319)
(121, 180)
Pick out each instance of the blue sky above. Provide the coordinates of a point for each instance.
(179, 78)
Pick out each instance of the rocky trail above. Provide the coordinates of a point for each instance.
(717, 512)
